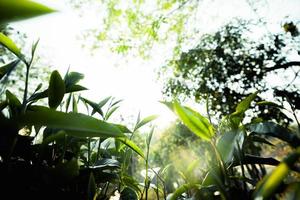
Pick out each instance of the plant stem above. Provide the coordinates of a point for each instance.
(26, 87)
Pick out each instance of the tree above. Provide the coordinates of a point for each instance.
(136, 27)
(231, 63)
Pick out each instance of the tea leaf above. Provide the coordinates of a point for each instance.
(75, 124)
(13, 10)
(9, 44)
(227, 144)
(274, 130)
(8, 68)
(56, 90)
(131, 145)
(145, 121)
(194, 121)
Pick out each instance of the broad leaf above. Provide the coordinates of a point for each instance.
(131, 145)
(227, 144)
(194, 121)
(75, 124)
(275, 130)
(56, 90)
(44, 94)
(13, 10)
(122, 128)
(60, 135)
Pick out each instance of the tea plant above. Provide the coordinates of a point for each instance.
(234, 170)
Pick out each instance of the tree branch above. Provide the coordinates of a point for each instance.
(283, 66)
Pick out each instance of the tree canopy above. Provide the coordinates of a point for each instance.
(232, 63)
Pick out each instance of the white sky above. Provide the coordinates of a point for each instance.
(133, 81)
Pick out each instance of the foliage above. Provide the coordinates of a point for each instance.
(48, 153)
(229, 64)
(56, 151)
(143, 24)
(233, 171)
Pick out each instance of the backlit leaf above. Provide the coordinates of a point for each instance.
(56, 90)
(131, 145)
(145, 121)
(9, 44)
(194, 121)
(13, 10)
(74, 124)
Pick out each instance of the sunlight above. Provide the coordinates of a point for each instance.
(143, 99)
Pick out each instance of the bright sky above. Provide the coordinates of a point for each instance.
(134, 81)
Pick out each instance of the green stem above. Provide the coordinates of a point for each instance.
(26, 87)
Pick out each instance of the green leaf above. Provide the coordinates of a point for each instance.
(145, 121)
(9, 44)
(240, 110)
(245, 104)
(95, 106)
(8, 68)
(72, 78)
(267, 187)
(182, 189)
(13, 10)
(56, 90)
(54, 137)
(12, 99)
(122, 128)
(274, 130)
(269, 103)
(34, 46)
(227, 144)
(44, 94)
(131, 145)
(194, 121)
(75, 124)
(104, 101)
(149, 137)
